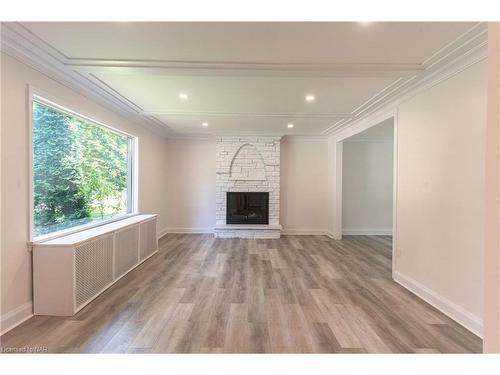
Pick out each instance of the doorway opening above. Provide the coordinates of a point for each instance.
(366, 190)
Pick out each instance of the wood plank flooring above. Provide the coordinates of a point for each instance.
(298, 294)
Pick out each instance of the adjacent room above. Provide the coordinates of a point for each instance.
(260, 187)
(367, 181)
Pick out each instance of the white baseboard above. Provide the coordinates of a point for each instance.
(15, 317)
(288, 231)
(332, 236)
(161, 233)
(285, 231)
(304, 232)
(367, 232)
(189, 230)
(447, 307)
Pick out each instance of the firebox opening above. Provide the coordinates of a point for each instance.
(247, 208)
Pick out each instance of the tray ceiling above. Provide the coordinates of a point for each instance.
(252, 77)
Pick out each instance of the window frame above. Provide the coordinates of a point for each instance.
(36, 95)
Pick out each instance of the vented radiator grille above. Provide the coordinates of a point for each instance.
(149, 243)
(126, 250)
(94, 268)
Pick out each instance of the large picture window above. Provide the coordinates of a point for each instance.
(82, 171)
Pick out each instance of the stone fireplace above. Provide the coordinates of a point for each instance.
(247, 164)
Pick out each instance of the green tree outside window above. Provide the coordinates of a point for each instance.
(80, 171)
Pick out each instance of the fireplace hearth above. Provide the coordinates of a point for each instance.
(247, 208)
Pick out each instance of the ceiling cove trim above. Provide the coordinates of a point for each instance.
(251, 68)
(478, 55)
(249, 114)
(453, 60)
(399, 69)
(468, 48)
(303, 138)
(248, 134)
(191, 137)
(212, 137)
(106, 87)
(369, 140)
(479, 30)
(19, 43)
(322, 69)
(406, 76)
(394, 86)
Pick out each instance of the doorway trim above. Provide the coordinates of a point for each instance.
(338, 140)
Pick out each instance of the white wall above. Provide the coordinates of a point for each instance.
(367, 186)
(15, 259)
(334, 198)
(441, 192)
(190, 187)
(304, 185)
(491, 337)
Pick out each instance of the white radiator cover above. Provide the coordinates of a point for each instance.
(148, 239)
(70, 271)
(127, 240)
(93, 268)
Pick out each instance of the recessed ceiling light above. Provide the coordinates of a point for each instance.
(290, 126)
(310, 98)
(183, 96)
(205, 124)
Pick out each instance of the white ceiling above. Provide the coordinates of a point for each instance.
(246, 94)
(251, 77)
(295, 42)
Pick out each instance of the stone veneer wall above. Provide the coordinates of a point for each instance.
(247, 164)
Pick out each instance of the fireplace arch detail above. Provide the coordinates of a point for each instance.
(247, 164)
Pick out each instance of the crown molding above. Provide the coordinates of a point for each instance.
(227, 68)
(249, 114)
(457, 47)
(304, 138)
(20, 44)
(249, 135)
(191, 137)
(282, 135)
(231, 134)
(443, 74)
(369, 140)
(465, 51)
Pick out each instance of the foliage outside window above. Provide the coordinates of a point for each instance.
(81, 171)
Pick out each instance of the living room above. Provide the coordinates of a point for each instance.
(250, 187)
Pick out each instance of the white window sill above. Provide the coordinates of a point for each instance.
(78, 229)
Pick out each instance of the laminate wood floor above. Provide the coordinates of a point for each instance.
(298, 294)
